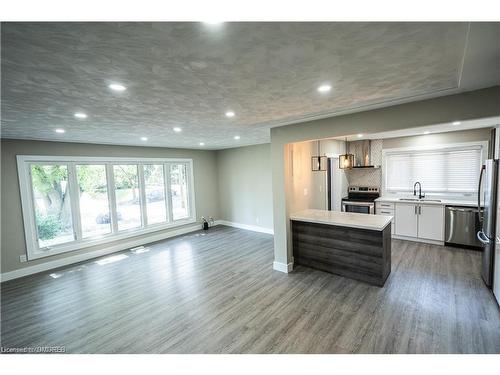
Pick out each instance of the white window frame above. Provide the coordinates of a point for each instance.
(28, 207)
(438, 147)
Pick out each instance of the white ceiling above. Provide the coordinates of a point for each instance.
(189, 74)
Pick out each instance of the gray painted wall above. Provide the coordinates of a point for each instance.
(13, 241)
(245, 191)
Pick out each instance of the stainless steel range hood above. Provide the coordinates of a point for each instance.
(362, 153)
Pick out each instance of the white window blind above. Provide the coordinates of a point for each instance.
(453, 170)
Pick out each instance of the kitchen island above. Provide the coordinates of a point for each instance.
(353, 245)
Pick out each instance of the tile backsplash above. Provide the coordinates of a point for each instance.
(364, 177)
(376, 152)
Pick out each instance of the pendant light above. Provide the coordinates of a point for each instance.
(346, 161)
(318, 163)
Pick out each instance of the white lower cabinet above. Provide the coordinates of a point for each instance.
(424, 221)
(406, 220)
(383, 208)
(431, 222)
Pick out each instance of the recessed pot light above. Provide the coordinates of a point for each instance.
(229, 114)
(427, 132)
(324, 88)
(60, 131)
(236, 137)
(202, 143)
(456, 123)
(144, 139)
(360, 135)
(177, 130)
(117, 87)
(80, 115)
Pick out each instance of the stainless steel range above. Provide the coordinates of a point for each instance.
(360, 199)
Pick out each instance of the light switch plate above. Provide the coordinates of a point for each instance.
(22, 258)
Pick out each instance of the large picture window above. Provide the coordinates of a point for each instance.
(154, 185)
(451, 169)
(70, 202)
(52, 204)
(128, 206)
(95, 215)
(178, 186)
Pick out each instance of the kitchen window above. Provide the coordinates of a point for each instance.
(70, 203)
(449, 170)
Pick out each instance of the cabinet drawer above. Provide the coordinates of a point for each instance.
(385, 211)
(382, 211)
(384, 205)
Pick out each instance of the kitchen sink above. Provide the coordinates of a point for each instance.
(419, 200)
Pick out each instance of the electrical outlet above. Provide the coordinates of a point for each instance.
(306, 192)
(22, 258)
(257, 220)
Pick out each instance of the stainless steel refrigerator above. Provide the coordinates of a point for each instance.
(488, 178)
(496, 256)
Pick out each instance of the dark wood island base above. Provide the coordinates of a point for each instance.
(360, 254)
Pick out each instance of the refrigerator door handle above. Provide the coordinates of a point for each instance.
(483, 167)
(482, 237)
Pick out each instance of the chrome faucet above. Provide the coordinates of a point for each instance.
(420, 195)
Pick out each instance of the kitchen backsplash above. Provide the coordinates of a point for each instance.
(376, 152)
(364, 177)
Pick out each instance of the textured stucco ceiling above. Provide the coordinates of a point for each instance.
(190, 74)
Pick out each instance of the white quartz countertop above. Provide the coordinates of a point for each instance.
(343, 219)
(444, 201)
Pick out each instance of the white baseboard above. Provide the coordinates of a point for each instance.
(415, 239)
(51, 264)
(282, 267)
(253, 228)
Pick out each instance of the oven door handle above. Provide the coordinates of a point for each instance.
(358, 203)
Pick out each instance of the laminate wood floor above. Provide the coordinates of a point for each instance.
(217, 293)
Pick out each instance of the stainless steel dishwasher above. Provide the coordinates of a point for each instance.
(461, 226)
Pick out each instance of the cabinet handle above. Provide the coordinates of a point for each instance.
(420, 210)
(385, 205)
(415, 207)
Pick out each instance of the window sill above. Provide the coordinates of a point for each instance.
(126, 234)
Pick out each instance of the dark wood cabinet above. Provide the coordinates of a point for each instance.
(359, 254)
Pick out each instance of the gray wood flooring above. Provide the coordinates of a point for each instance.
(217, 293)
